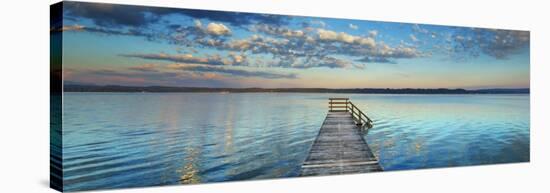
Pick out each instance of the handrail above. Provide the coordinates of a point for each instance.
(345, 105)
(360, 118)
(340, 104)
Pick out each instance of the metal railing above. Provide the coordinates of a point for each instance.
(345, 105)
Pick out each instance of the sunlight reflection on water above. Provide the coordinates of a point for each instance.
(113, 140)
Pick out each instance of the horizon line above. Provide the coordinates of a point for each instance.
(386, 88)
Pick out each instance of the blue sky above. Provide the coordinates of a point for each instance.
(106, 44)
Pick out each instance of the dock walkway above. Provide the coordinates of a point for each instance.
(339, 147)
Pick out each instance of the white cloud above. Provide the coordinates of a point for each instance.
(297, 48)
(278, 31)
(198, 23)
(367, 41)
(327, 34)
(310, 39)
(217, 29)
(419, 29)
(319, 23)
(400, 51)
(373, 33)
(237, 59)
(413, 38)
(242, 44)
(343, 37)
(297, 33)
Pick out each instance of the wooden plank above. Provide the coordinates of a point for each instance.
(338, 98)
(338, 111)
(339, 149)
(334, 106)
(336, 164)
(337, 102)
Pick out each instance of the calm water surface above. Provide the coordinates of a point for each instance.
(114, 140)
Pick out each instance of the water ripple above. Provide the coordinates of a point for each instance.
(132, 140)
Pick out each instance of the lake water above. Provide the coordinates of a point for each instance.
(115, 140)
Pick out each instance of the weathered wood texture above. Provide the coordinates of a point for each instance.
(339, 149)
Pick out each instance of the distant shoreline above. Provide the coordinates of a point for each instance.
(165, 89)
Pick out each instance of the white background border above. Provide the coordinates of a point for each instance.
(24, 103)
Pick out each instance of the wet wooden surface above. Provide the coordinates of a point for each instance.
(339, 149)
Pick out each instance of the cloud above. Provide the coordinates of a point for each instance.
(114, 15)
(198, 23)
(373, 33)
(189, 35)
(400, 51)
(505, 42)
(238, 59)
(327, 61)
(493, 42)
(327, 35)
(187, 58)
(413, 38)
(318, 23)
(145, 68)
(177, 74)
(232, 72)
(417, 28)
(331, 62)
(278, 31)
(105, 31)
(217, 29)
(369, 59)
(151, 78)
(236, 18)
(310, 51)
(353, 27)
(241, 44)
(387, 54)
(463, 43)
(279, 46)
(74, 27)
(107, 72)
(342, 37)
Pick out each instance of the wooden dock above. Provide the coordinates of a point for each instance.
(339, 147)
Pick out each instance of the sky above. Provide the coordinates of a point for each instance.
(108, 44)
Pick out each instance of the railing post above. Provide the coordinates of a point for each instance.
(360, 117)
(346, 104)
(352, 111)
